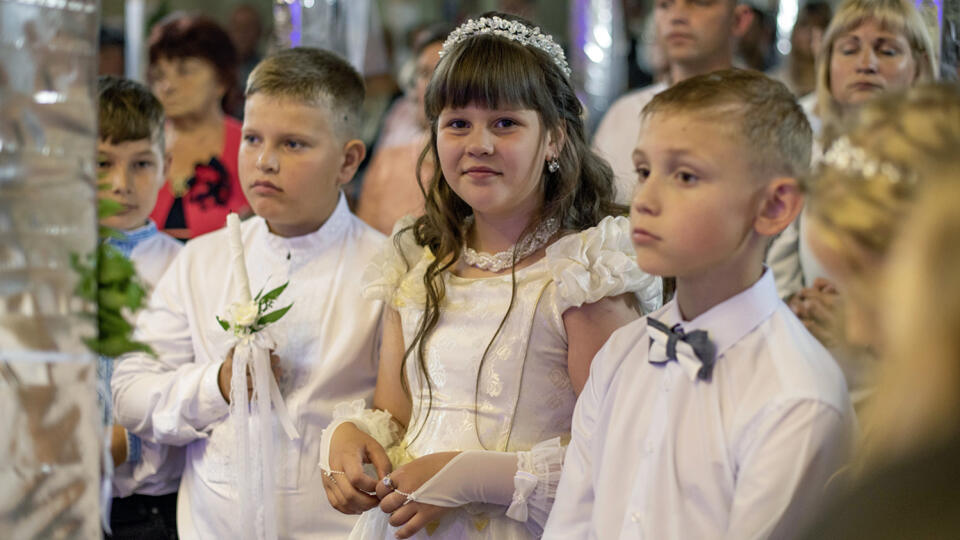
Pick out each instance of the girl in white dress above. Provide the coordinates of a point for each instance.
(483, 355)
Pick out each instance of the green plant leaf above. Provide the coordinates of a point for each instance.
(135, 295)
(109, 232)
(118, 345)
(112, 299)
(113, 266)
(273, 316)
(223, 324)
(87, 286)
(112, 323)
(107, 208)
(274, 294)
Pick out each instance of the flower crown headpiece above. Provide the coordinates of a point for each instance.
(845, 156)
(513, 30)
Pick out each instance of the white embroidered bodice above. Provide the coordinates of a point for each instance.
(524, 395)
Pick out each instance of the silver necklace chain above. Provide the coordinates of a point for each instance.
(498, 262)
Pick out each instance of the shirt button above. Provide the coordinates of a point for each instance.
(635, 517)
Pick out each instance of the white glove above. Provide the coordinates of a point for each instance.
(525, 482)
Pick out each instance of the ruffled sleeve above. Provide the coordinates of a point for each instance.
(600, 262)
(394, 275)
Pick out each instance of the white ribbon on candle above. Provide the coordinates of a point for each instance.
(254, 456)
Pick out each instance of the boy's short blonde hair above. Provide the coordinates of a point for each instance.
(898, 16)
(775, 132)
(315, 77)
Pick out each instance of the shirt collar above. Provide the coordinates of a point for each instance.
(133, 238)
(729, 321)
(331, 230)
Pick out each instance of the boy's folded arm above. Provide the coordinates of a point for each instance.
(784, 465)
(169, 398)
(164, 403)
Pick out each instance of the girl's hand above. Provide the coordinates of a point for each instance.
(348, 487)
(412, 516)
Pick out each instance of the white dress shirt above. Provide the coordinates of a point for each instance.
(659, 453)
(617, 134)
(326, 344)
(151, 468)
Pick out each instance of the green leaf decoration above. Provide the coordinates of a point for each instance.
(223, 324)
(113, 266)
(273, 295)
(111, 299)
(118, 345)
(107, 232)
(112, 322)
(108, 208)
(110, 280)
(135, 295)
(273, 316)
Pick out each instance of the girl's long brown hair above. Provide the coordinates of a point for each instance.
(492, 72)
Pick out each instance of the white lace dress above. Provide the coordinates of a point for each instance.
(524, 400)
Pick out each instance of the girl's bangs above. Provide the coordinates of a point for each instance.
(489, 72)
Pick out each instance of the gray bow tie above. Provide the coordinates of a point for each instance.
(704, 352)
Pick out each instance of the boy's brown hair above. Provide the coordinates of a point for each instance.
(128, 111)
(776, 135)
(315, 77)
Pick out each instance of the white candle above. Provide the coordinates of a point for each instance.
(236, 258)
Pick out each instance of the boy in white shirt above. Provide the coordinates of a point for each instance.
(130, 168)
(719, 415)
(299, 147)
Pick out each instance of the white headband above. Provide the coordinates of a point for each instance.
(513, 30)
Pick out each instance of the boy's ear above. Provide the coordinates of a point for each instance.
(781, 203)
(353, 153)
(742, 19)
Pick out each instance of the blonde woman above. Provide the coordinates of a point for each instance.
(870, 47)
(861, 196)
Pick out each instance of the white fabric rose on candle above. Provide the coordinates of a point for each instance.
(244, 313)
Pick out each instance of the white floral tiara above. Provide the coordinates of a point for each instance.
(847, 157)
(513, 30)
